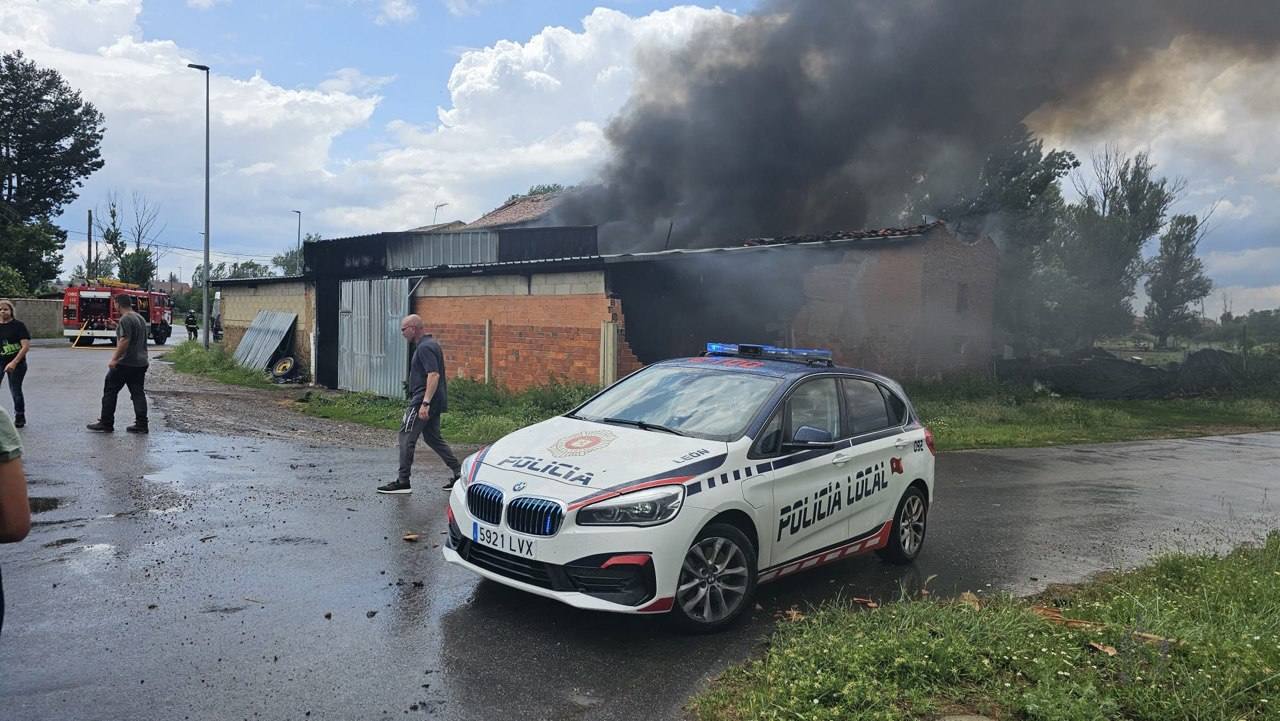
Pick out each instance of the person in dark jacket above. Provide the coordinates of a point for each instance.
(191, 324)
(15, 341)
(428, 394)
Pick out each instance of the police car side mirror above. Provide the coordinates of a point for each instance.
(809, 437)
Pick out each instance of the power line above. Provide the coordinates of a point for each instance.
(190, 250)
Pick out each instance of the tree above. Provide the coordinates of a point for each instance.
(248, 269)
(290, 261)
(12, 284)
(33, 249)
(1094, 259)
(539, 189)
(1017, 198)
(1176, 281)
(138, 267)
(49, 141)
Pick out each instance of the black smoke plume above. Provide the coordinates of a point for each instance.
(818, 115)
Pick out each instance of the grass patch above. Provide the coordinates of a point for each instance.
(918, 658)
(481, 413)
(967, 413)
(191, 357)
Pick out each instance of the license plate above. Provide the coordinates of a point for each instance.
(502, 540)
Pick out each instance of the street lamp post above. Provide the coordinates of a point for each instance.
(205, 277)
(437, 212)
(299, 266)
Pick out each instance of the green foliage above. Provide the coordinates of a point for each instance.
(1214, 657)
(12, 284)
(1091, 265)
(975, 413)
(540, 189)
(33, 249)
(479, 413)
(290, 262)
(248, 269)
(191, 357)
(138, 266)
(49, 143)
(1177, 280)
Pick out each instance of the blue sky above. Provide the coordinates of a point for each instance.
(365, 114)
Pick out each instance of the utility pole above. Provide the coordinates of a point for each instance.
(88, 264)
(205, 70)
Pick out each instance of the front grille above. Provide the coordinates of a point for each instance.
(485, 503)
(535, 516)
(521, 569)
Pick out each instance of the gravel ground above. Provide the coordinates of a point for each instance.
(193, 404)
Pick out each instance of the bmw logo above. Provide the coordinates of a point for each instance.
(520, 486)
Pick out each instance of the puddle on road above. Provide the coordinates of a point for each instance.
(42, 504)
(61, 542)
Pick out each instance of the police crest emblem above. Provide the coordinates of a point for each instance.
(580, 444)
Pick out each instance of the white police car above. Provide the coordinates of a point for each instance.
(684, 485)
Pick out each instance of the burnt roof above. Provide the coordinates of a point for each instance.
(847, 235)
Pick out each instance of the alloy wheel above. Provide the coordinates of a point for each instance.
(713, 580)
(911, 525)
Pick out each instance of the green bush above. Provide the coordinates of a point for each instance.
(191, 357)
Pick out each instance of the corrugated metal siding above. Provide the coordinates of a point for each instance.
(263, 338)
(372, 355)
(428, 250)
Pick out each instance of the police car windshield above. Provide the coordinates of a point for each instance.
(706, 403)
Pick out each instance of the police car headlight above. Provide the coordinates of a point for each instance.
(649, 507)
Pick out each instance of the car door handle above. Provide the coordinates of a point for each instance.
(840, 459)
(902, 443)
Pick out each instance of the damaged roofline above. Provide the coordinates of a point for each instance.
(596, 262)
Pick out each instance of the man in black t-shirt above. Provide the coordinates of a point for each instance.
(127, 367)
(429, 398)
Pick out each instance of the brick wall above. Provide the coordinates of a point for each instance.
(42, 317)
(534, 338)
(241, 303)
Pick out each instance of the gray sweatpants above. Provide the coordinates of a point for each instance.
(410, 428)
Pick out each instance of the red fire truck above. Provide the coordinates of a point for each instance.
(89, 311)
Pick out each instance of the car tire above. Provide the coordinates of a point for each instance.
(910, 521)
(727, 579)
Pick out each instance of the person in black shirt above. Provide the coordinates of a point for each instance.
(15, 341)
(429, 398)
(191, 323)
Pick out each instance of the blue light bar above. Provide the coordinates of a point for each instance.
(744, 350)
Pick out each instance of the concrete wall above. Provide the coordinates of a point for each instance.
(42, 317)
(542, 327)
(241, 303)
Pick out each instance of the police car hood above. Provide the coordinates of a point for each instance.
(570, 459)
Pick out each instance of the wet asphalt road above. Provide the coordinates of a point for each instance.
(190, 576)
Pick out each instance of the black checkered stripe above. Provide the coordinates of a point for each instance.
(725, 478)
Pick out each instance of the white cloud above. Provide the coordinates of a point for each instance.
(465, 7)
(204, 4)
(351, 80)
(397, 11)
(1222, 262)
(1242, 299)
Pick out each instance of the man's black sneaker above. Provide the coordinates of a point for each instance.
(137, 428)
(448, 485)
(100, 427)
(395, 487)
(19, 420)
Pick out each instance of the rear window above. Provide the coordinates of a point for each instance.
(865, 406)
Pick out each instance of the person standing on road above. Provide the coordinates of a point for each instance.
(127, 367)
(191, 325)
(15, 341)
(15, 511)
(428, 399)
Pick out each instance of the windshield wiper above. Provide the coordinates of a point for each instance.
(641, 425)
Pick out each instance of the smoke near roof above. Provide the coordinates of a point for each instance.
(813, 116)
